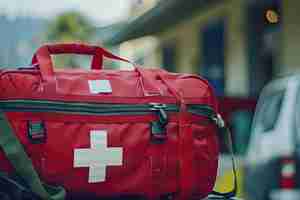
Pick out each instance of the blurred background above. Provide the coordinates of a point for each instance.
(238, 45)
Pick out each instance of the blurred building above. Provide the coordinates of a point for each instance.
(238, 45)
(20, 36)
(140, 7)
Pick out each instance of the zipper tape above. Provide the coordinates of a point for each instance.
(103, 109)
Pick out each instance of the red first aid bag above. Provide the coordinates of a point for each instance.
(107, 133)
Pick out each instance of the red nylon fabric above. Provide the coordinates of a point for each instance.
(184, 165)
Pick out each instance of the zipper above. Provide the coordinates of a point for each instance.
(207, 111)
(86, 108)
(104, 109)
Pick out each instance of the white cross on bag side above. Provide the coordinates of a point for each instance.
(98, 157)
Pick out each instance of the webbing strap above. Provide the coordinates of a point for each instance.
(186, 180)
(186, 176)
(227, 195)
(16, 154)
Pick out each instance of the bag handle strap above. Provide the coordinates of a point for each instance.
(42, 56)
(186, 176)
(16, 154)
(42, 59)
(185, 180)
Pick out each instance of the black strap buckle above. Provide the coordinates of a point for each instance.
(37, 132)
(158, 128)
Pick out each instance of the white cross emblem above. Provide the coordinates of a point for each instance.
(98, 156)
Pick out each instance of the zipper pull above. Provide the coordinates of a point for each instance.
(158, 128)
(219, 121)
(163, 117)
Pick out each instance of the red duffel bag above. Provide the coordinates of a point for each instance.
(107, 133)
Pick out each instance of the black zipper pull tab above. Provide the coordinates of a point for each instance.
(158, 128)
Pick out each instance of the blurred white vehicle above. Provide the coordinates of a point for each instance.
(272, 161)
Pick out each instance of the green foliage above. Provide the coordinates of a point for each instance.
(70, 26)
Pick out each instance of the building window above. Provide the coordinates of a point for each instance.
(169, 56)
(212, 62)
(263, 42)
